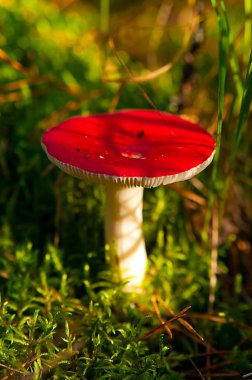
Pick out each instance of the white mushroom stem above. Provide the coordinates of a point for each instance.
(124, 234)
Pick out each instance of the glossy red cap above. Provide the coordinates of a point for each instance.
(134, 147)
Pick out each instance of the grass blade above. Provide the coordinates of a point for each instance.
(223, 47)
(244, 111)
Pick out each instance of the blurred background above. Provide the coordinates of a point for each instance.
(66, 57)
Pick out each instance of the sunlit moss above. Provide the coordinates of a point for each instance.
(63, 311)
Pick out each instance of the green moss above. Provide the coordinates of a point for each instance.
(63, 313)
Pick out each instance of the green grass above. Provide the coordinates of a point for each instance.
(244, 111)
(223, 48)
(63, 312)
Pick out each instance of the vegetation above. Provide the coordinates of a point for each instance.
(63, 312)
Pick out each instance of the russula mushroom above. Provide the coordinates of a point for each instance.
(127, 151)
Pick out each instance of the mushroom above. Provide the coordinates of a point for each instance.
(127, 151)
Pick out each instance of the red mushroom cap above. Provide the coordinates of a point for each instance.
(134, 147)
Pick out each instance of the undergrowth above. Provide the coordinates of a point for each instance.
(63, 312)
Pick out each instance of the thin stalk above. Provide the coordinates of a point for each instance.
(104, 16)
(214, 196)
(223, 47)
(214, 257)
(247, 28)
(244, 112)
(234, 65)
